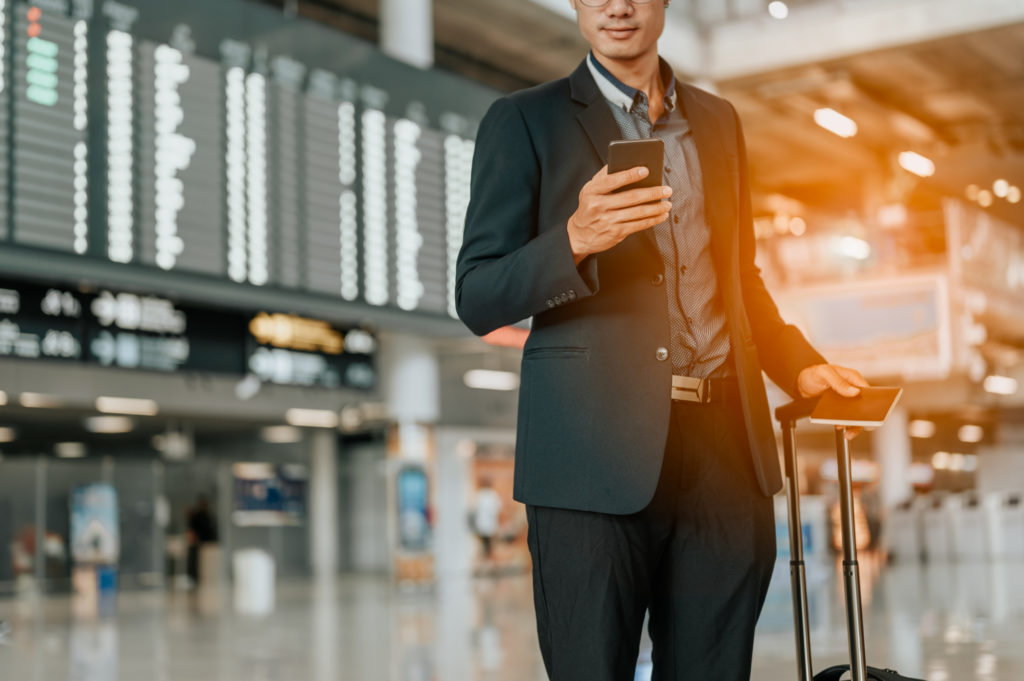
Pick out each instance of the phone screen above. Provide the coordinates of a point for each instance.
(626, 154)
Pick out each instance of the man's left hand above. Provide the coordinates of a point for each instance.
(817, 378)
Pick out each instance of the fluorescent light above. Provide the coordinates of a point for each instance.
(916, 163)
(972, 192)
(797, 226)
(1001, 188)
(70, 450)
(940, 461)
(956, 462)
(39, 401)
(893, 215)
(971, 433)
(280, 434)
(126, 405)
(778, 10)
(921, 428)
(109, 424)
(984, 198)
(835, 122)
(7, 434)
(852, 247)
(312, 418)
(1013, 194)
(1000, 385)
(488, 379)
(970, 463)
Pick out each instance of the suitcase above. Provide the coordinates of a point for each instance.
(787, 416)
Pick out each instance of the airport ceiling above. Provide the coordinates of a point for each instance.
(957, 100)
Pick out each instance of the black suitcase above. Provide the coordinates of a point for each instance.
(787, 416)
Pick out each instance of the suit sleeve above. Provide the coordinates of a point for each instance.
(510, 267)
(782, 349)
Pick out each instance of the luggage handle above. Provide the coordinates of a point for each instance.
(787, 416)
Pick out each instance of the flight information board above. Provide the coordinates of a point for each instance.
(228, 140)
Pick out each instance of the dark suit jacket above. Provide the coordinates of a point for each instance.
(594, 398)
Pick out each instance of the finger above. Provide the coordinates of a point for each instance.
(633, 226)
(612, 181)
(640, 195)
(853, 376)
(644, 210)
(837, 382)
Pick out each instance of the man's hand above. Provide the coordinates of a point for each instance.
(817, 378)
(604, 218)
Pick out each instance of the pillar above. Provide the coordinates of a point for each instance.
(407, 31)
(322, 446)
(892, 451)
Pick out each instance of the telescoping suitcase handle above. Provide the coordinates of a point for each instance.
(787, 416)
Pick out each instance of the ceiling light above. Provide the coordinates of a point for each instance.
(70, 450)
(280, 434)
(956, 462)
(940, 461)
(126, 405)
(39, 401)
(797, 226)
(985, 198)
(913, 162)
(3, 398)
(971, 433)
(109, 424)
(1000, 385)
(972, 192)
(835, 122)
(312, 418)
(778, 10)
(7, 434)
(970, 463)
(1001, 188)
(1013, 194)
(487, 379)
(921, 428)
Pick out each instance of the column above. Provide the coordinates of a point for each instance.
(322, 446)
(407, 31)
(891, 448)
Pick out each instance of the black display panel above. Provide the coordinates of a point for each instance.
(226, 140)
(145, 332)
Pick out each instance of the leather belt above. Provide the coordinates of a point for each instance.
(704, 390)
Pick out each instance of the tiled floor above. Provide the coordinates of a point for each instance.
(943, 623)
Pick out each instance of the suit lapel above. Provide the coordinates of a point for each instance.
(595, 117)
(719, 190)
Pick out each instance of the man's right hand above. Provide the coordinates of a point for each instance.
(604, 218)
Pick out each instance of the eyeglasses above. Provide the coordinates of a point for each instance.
(601, 3)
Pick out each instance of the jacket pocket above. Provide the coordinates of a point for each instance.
(537, 353)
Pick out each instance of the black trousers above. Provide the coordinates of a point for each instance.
(699, 557)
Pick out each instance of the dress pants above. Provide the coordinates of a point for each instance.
(699, 557)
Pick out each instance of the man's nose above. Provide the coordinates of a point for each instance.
(618, 8)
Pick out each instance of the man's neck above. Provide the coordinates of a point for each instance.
(642, 73)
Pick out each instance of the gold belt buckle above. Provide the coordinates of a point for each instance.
(689, 389)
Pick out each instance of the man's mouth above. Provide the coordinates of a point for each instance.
(619, 32)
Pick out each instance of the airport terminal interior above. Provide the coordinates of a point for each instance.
(283, 456)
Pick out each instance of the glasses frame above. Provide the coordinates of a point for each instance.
(602, 3)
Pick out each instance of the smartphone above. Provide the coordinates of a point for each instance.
(869, 408)
(626, 154)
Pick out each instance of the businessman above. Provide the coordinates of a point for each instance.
(645, 452)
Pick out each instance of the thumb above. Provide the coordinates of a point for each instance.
(838, 382)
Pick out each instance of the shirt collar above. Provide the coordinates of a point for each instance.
(622, 95)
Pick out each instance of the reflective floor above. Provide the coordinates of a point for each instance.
(942, 623)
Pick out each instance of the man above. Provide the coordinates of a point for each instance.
(645, 452)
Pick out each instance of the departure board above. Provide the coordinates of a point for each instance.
(230, 141)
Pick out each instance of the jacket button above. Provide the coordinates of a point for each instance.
(657, 279)
(661, 354)
(551, 303)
